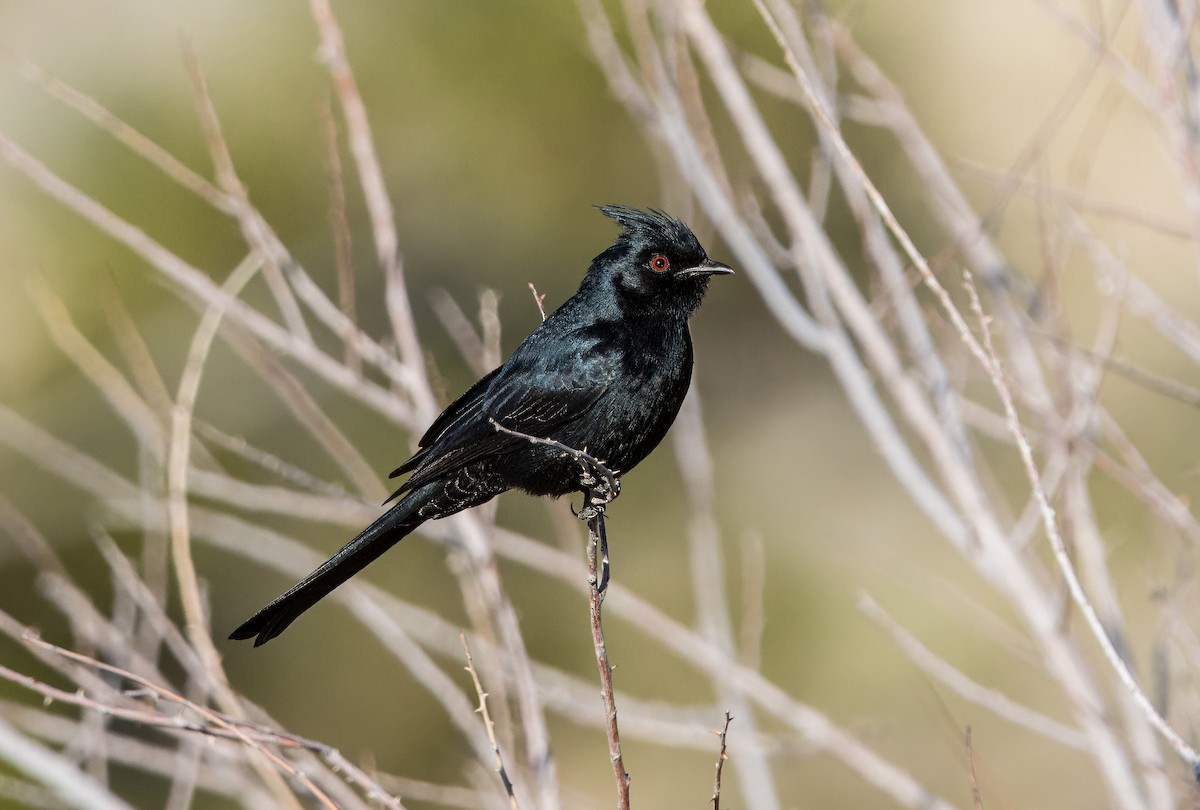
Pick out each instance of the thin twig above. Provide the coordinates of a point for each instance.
(602, 486)
(720, 766)
(460, 329)
(489, 324)
(268, 462)
(141, 145)
(178, 456)
(339, 226)
(976, 794)
(539, 300)
(488, 724)
(362, 145)
(753, 620)
(124, 399)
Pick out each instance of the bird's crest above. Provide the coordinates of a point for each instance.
(648, 226)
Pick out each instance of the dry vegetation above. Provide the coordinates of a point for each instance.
(979, 392)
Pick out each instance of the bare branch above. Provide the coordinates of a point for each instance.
(1058, 546)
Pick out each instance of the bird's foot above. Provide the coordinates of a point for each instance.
(597, 495)
(600, 484)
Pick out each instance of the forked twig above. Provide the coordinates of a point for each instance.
(991, 363)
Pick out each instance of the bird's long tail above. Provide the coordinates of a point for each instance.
(390, 528)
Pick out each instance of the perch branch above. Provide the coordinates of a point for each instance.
(597, 556)
(602, 487)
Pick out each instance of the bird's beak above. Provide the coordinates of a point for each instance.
(706, 268)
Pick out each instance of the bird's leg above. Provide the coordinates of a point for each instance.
(595, 499)
(593, 513)
(598, 528)
(600, 489)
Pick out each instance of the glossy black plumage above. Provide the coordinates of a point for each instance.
(606, 372)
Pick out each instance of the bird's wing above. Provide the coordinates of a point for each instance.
(463, 408)
(528, 400)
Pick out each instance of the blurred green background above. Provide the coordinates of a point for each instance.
(497, 133)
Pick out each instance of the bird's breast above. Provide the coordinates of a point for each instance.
(649, 377)
(634, 414)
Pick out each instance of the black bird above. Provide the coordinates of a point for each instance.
(604, 373)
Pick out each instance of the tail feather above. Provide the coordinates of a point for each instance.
(390, 528)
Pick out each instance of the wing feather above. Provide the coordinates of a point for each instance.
(520, 395)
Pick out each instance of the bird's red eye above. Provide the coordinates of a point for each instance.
(659, 263)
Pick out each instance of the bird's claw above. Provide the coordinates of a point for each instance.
(605, 491)
(599, 482)
(600, 489)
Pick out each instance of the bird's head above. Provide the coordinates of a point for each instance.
(656, 263)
